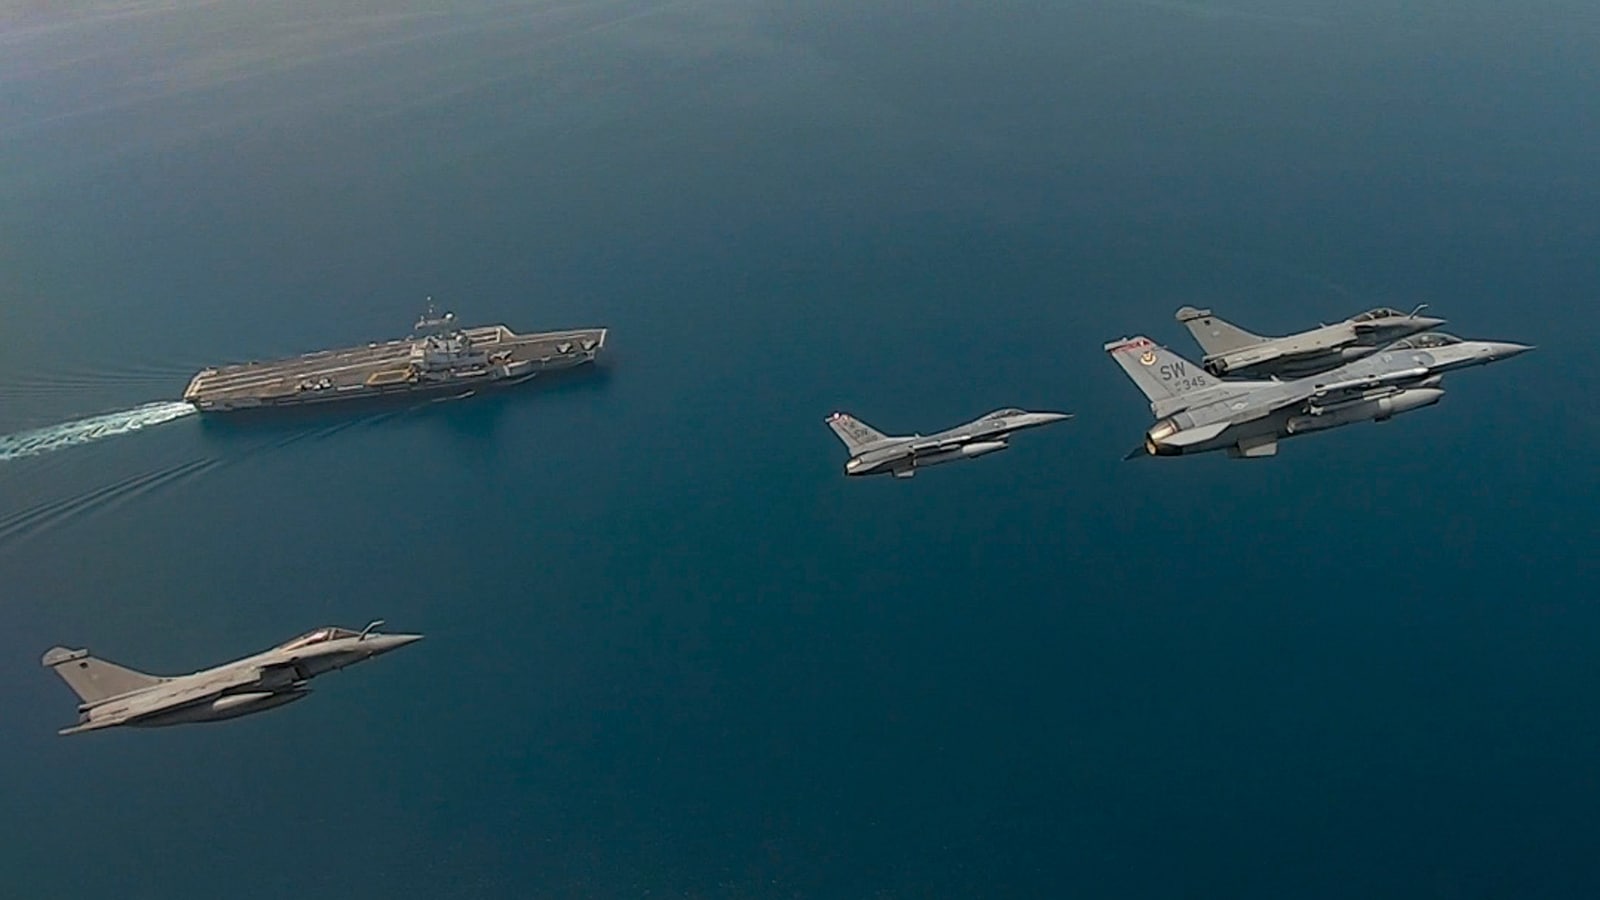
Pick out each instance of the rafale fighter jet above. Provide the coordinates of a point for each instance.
(1230, 350)
(113, 695)
(1199, 412)
(873, 453)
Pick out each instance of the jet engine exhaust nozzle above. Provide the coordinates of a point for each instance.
(1155, 438)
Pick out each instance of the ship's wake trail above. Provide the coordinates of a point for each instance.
(94, 428)
(34, 520)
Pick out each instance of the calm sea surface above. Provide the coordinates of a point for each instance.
(671, 650)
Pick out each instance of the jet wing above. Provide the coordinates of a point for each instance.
(1356, 385)
(92, 725)
(129, 709)
(187, 690)
(1351, 388)
(1282, 349)
(1250, 356)
(1333, 391)
(271, 676)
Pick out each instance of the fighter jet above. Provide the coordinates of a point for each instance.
(1230, 350)
(873, 453)
(1199, 412)
(114, 695)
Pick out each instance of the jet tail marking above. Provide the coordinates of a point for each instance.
(1215, 336)
(94, 680)
(855, 433)
(1170, 382)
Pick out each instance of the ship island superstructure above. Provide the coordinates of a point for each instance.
(438, 357)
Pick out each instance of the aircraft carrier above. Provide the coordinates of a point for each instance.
(438, 358)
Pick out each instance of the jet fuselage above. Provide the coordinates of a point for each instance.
(113, 695)
(873, 453)
(1231, 351)
(1199, 414)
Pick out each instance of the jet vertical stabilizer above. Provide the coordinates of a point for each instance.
(853, 432)
(1171, 382)
(93, 679)
(1215, 336)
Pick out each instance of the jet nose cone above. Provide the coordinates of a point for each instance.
(383, 643)
(1427, 323)
(1507, 349)
(1044, 418)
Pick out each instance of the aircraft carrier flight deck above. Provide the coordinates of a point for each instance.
(439, 358)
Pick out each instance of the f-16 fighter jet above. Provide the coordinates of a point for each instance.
(113, 695)
(873, 453)
(1199, 412)
(1230, 350)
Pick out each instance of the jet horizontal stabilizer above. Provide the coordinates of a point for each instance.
(89, 726)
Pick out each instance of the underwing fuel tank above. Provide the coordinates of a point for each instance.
(1378, 410)
(226, 707)
(972, 451)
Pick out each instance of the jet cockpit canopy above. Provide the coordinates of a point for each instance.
(1004, 413)
(319, 636)
(1426, 340)
(1372, 315)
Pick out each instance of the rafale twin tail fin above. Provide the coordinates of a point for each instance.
(94, 680)
(1169, 381)
(855, 433)
(1216, 336)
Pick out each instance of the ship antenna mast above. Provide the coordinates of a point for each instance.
(431, 323)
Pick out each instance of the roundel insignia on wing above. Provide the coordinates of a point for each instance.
(1147, 358)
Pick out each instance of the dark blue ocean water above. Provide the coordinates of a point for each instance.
(671, 650)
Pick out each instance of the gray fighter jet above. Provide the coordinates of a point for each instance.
(1230, 350)
(873, 453)
(1199, 412)
(113, 695)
